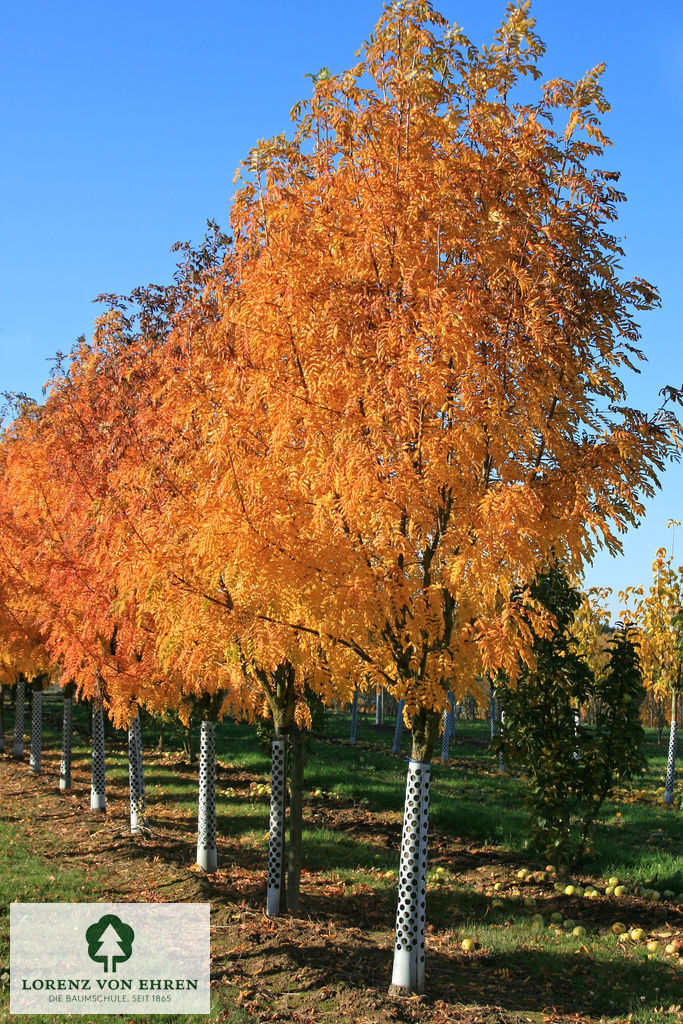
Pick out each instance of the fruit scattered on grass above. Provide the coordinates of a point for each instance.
(618, 928)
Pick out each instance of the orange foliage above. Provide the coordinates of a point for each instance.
(342, 441)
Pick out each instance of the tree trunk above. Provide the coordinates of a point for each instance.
(19, 697)
(98, 800)
(190, 749)
(399, 728)
(67, 733)
(354, 717)
(296, 806)
(671, 759)
(279, 687)
(2, 719)
(139, 823)
(408, 974)
(207, 852)
(660, 721)
(276, 901)
(36, 729)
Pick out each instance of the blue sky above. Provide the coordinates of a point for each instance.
(122, 125)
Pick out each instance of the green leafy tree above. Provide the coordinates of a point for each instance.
(571, 770)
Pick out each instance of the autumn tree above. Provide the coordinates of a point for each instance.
(421, 344)
(51, 494)
(658, 615)
(24, 659)
(591, 630)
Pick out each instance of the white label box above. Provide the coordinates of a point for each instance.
(126, 958)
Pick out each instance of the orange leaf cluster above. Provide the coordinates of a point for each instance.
(341, 443)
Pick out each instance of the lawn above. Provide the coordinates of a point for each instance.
(333, 962)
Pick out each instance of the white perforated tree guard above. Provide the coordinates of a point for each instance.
(399, 727)
(501, 727)
(207, 853)
(671, 762)
(577, 734)
(67, 733)
(136, 777)
(445, 736)
(36, 730)
(448, 728)
(451, 715)
(20, 696)
(276, 834)
(493, 712)
(98, 800)
(409, 948)
(354, 717)
(379, 705)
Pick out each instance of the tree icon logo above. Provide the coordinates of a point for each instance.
(110, 941)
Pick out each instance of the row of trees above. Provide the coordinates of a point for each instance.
(341, 443)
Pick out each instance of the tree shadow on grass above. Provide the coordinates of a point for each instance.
(521, 981)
